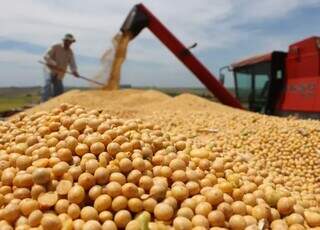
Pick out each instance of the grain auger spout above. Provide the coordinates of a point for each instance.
(140, 17)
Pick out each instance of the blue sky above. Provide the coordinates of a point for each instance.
(225, 30)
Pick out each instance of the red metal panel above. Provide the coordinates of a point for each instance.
(189, 60)
(303, 59)
(302, 91)
(302, 94)
(317, 97)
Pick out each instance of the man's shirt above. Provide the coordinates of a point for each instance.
(62, 58)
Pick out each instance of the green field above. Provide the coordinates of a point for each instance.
(13, 98)
(16, 102)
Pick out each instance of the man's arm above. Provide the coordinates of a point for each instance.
(48, 56)
(73, 66)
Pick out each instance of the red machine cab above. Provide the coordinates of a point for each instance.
(281, 83)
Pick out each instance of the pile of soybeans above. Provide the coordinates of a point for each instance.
(141, 160)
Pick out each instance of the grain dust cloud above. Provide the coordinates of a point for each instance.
(112, 60)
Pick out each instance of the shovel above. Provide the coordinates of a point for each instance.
(68, 72)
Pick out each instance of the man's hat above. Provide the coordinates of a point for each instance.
(69, 37)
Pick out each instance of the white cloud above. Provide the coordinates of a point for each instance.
(18, 58)
(94, 22)
(43, 22)
(270, 9)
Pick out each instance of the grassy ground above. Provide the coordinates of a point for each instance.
(12, 98)
(19, 101)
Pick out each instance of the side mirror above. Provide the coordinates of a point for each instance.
(194, 45)
(221, 78)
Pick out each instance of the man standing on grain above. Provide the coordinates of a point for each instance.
(58, 58)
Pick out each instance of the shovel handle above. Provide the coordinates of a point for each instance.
(68, 72)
